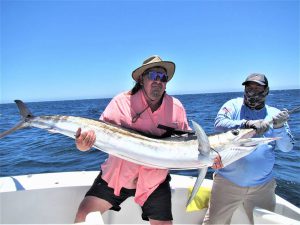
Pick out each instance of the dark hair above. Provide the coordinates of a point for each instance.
(135, 88)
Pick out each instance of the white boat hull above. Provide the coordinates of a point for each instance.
(54, 198)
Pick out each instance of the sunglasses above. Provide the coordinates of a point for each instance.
(259, 90)
(154, 75)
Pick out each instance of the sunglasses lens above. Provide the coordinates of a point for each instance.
(153, 75)
(164, 78)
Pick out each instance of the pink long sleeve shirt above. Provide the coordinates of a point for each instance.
(120, 173)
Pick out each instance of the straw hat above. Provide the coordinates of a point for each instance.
(154, 61)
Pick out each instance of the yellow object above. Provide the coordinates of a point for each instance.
(201, 199)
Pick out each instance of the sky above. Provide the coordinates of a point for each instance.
(65, 50)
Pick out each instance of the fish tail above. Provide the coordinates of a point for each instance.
(25, 114)
(24, 111)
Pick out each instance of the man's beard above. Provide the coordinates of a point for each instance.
(156, 92)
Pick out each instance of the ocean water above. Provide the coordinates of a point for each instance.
(32, 150)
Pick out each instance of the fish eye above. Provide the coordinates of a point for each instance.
(235, 132)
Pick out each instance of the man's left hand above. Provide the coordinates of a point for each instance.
(217, 163)
(280, 119)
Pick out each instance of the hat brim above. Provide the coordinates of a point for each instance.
(169, 66)
(255, 81)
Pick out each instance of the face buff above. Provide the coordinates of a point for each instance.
(255, 100)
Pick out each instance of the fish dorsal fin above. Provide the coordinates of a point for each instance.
(203, 142)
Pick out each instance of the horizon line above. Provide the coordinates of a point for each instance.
(174, 94)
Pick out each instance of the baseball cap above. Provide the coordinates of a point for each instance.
(257, 78)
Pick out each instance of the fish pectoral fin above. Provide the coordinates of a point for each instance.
(200, 178)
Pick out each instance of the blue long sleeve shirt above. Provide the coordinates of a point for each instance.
(255, 168)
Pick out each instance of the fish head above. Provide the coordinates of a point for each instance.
(244, 138)
(230, 136)
(235, 144)
(238, 134)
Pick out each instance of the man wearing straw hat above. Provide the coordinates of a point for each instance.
(143, 108)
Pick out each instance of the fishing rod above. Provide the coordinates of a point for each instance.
(172, 131)
(293, 110)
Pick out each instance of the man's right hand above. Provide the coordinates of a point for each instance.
(85, 140)
(261, 126)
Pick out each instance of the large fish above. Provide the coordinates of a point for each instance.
(179, 152)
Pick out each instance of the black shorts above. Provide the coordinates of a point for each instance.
(157, 207)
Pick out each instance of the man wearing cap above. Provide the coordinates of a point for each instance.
(249, 181)
(143, 108)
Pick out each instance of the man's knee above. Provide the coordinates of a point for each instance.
(159, 222)
(92, 204)
(81, 212)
